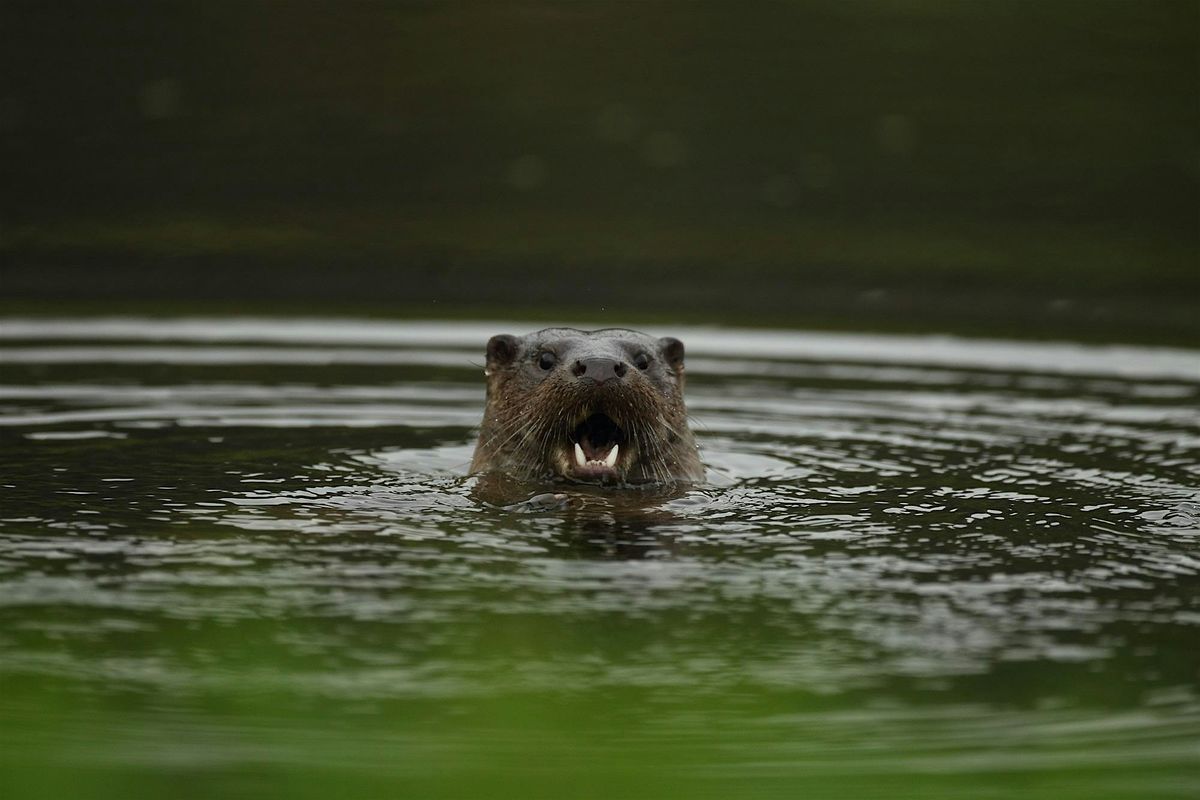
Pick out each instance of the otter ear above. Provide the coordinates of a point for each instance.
(672, 350)
(501, 350)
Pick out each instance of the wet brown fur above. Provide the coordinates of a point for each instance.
(531, 413)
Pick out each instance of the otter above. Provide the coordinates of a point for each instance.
(603, 407)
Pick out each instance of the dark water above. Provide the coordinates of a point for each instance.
(241, 557)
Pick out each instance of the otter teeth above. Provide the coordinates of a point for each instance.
(609, 461)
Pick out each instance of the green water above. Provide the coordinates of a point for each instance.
(242, 558)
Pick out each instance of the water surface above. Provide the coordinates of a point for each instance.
(243, 556)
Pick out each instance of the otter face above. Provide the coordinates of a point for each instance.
(594, 406)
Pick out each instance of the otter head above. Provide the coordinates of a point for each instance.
(595, 406)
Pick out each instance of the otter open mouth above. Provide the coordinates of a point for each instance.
(597, 446)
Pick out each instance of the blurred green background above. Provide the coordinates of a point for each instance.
(1001, 167)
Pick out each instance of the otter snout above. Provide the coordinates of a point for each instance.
(599, 370)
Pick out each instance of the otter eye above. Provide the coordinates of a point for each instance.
(642, 361)
(547, 360)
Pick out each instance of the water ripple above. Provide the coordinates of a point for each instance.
(981, 555)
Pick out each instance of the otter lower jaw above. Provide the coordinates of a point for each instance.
(595, 449)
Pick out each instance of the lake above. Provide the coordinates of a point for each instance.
(242, 556)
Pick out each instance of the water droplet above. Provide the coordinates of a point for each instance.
(160, 99)
(664, 149)
(780, 191)
(526, 173)
(896, 134)
(616, 123)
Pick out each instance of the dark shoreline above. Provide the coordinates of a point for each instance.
(631, 294)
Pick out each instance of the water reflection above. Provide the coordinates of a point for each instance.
(957, 540)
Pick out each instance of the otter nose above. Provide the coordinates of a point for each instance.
(599, 370)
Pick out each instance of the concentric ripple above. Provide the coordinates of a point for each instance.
(914, 556)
